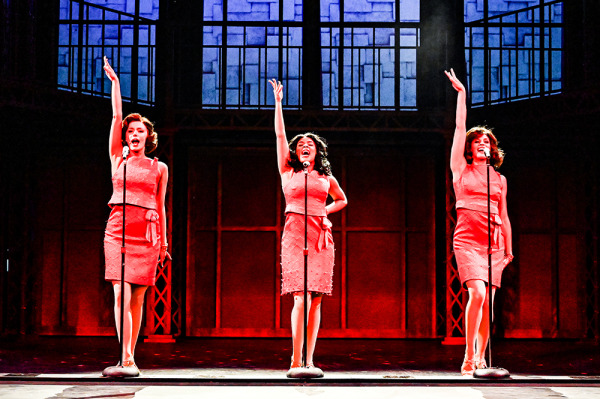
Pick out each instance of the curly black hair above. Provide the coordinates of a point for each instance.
(322, 165)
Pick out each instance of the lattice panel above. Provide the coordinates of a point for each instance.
(159, 303)
(455, 304)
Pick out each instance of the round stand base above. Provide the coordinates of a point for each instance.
(492, 373)
(121, 372)
(304, 372)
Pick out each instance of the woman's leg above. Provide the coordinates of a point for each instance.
(298, 327)
(473, 314)
(314, 321)
(483, 334)
(127, 352)
(137, 310)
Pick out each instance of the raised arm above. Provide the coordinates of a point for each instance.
(339, 197)
(115, 145)
(457, 153)
(283, 151)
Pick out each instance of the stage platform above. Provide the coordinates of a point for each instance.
(65, 367)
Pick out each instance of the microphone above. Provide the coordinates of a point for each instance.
(306, 164)
(125, 152)
(486, 151)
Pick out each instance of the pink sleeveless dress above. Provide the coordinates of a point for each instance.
(321, 252)
(142, 229)
(471, 232)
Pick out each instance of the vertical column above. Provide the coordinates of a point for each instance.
(441, 47)
(312, 95)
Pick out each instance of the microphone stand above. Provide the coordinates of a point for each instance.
(305, 343)
(305, 372)
(121, 370)
(490, 372)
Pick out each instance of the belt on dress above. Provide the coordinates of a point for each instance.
(152, 226)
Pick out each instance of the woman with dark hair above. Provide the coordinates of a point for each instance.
(468, 162)
(146, 223)
(312, 149)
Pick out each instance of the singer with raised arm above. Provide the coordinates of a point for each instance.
(471, 151)
(305, 153)
(140, 193)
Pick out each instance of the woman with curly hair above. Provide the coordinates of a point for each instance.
(146, 223)
(311, 149)
(469, 163)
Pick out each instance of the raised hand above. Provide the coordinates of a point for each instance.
(110, 73)
(458, 86)
(277, 89)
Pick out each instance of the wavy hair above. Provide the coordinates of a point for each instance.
(496, 154)
(322, 165)
(151, 141)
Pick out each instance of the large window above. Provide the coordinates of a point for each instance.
(368, 53)
(125, 32)
(513, 49)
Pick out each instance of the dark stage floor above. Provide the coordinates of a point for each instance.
(66, 367)
(87, 355)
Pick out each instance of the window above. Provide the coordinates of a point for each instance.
(515, 52)
(368, 53)
(125, 33)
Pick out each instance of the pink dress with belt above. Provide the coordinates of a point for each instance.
(321, 252)
(471, 232)
(142, 229)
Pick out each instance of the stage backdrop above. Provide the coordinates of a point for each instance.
(384, 276)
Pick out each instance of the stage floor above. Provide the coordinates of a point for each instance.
(65, 367)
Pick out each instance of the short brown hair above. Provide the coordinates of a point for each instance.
(496, 154)
(152, 140)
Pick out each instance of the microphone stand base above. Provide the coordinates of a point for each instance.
(304, 372)
(491, 373)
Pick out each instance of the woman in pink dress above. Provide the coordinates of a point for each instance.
(145, 229)
(290, 158)
(468, 162)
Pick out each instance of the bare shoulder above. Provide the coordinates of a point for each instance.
(163, 169)
(503, 180)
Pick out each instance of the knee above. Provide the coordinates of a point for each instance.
(477, 296)
(117, 293)
(298, 301)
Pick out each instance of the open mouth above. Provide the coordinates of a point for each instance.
(135, 141)
(306, 152)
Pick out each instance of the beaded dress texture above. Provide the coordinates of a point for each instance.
(321, 252)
